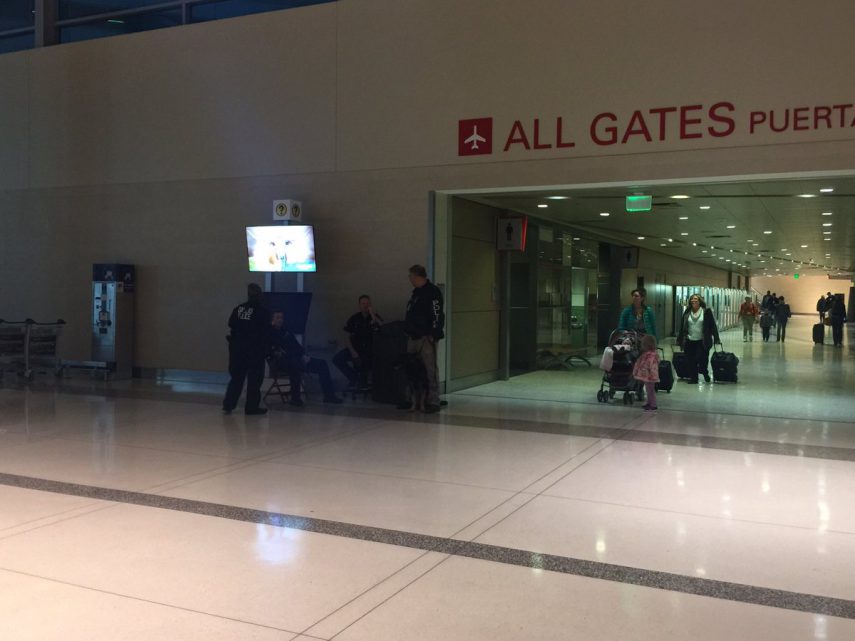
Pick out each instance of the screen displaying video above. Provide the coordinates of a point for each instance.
(281, 248)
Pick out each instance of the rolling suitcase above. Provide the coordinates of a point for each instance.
(666, 375)
(682, 366)
(819, 333)
(724, 366)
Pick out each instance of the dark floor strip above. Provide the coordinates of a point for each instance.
(769, 597)
(743, 445)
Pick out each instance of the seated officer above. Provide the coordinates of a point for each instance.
(291, 357)
(355, 360)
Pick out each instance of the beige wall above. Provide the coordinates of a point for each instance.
(474, 303)
(157, 148)
(801, 294)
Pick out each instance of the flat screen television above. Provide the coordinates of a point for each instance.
(280, 248)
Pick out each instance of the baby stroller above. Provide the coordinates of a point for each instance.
(617, 363)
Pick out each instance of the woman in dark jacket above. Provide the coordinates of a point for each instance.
(837, 312)
(698, 332)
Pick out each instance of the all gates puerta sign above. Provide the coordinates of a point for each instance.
(479, 136)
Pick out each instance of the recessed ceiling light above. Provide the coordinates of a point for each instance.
(755, 244)
(826, 190)
(807, 195)
(767, 232)
(731, 226)
(783, 249)
(680, 197)
(684, 233)
(543, 206)
(703, 251)
(557, 197)
(712, 246)
(803, 246)
(826, 239)
(694, 244)
(574, 238)
(704, 207)
(684, 218)
(641, 238)
(826, 233)
(827, 224)
(827, 213)
(788, 254)
(663, 244)
(605, 213)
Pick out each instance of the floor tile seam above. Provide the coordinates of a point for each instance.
(130, 597)
(555, 563)
(610, 443)
(161, 450)
(711, 517)
(395, 476)
(320, 441)
(241, 465)
(530, 498)
(447, 419)
(392, 596)
(663, 409)
(55, 515)
(366, 591)
(71, 517)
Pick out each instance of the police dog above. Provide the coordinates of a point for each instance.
(417, 380)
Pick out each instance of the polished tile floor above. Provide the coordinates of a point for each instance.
(526, 510)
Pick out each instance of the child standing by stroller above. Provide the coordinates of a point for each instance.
(646, 370)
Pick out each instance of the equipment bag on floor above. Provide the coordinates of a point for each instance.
(683, 367)
(666, 375)
(724, 366)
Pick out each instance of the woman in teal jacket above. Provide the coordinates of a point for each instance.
(638, 316)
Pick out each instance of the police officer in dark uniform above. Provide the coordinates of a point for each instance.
(354, 361)
(424, 325)
(249, 344)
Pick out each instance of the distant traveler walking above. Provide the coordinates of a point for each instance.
(838, 317)
(782, 315)
(748, 313)
(698, 332)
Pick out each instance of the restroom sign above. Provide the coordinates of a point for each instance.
(511, 233)
(287, 210)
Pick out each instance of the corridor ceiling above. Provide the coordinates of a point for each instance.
(757, 227)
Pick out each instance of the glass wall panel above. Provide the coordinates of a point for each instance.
(120, 26)
(82, 8)
(17, 14)
(17, 43)
(217, 9)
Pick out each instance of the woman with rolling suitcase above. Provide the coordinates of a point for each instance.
(698, 332)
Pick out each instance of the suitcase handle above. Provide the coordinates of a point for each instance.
(720, 346)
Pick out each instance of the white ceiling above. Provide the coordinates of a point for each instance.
(680, 227)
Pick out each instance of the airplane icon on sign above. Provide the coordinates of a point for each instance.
(474, 139)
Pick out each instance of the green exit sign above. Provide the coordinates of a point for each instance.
(796, 276)
(639, 203)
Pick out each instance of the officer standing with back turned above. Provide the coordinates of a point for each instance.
(249, 344)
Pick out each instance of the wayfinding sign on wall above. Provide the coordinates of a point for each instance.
(647, 126)
(511, 233)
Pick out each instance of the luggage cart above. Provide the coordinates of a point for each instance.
(28, 346)
(42, 343)
(13, 346)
